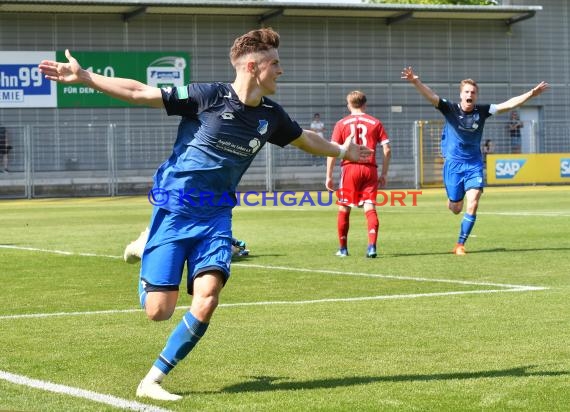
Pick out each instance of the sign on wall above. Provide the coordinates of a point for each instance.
(22, 84)
(529, 168)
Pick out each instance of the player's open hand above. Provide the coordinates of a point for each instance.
(539, 88)
(355, 152)
(62, 72)
(329, 184)
(408, 74)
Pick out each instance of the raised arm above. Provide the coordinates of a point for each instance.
(129, 90)
(312, 143)
(409, 75)
(517, 101)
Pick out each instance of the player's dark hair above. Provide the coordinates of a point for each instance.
(254, 41)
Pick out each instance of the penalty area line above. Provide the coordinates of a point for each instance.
(286, 302)
(79, 393)
(497, 287)
(395, 277)
(323, 271)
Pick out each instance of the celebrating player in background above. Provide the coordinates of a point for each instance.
(234, 120)
(359, 181)
(461, 144)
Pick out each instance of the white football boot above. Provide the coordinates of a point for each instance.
(152, 389)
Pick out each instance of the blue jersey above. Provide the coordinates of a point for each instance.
(462, 132)
(217, 140)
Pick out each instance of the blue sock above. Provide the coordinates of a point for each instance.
(466, 225)
(183, 338)
(142, 293)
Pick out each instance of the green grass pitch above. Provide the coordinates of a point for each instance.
(298, 329)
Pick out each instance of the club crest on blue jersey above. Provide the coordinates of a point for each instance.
(262, 128)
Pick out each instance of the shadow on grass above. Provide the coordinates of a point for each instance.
(272, 383)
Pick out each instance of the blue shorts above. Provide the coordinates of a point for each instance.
(175, 241)
(459, 177)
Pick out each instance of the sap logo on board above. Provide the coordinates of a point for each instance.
(564, 167)
(507, 169)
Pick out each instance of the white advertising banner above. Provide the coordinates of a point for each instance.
(22, 84)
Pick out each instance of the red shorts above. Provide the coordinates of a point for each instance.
(358, 185)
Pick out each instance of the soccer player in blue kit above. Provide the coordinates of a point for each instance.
(461, 144)
(199, 180)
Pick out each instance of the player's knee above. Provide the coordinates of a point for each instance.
(203, 307)
(158, 313)
(455, 207)
(209, 303)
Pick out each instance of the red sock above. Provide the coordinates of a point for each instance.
(373, 224)
(342, 227)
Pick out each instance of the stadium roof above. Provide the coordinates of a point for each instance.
(267, 10)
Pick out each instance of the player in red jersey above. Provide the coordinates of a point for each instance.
(359, 181)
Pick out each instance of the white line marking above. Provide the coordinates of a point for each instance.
(416, 279)
(79, 393)
(503, 288)
(136, 406)
(56, 314)
(326, 271)
(541, 214)
(57, 252)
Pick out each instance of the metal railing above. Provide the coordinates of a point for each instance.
(113, 160)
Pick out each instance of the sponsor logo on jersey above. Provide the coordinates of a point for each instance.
(508, 169)
(228, 116)
(255, 144)
(238, 149)
(182, 92)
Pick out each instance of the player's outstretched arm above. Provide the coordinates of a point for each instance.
(517, 101)
(312, 143)
(409, 75)
(129, 90)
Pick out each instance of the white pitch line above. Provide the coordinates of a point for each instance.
(326, 271)
(284, 302)
(136, 406)
(525, 214)
(381, 297)
(503, 288)
(396, 277)
(60, 314)
(57, 252)
(79, 393)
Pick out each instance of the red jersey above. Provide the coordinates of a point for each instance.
(364, 130)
